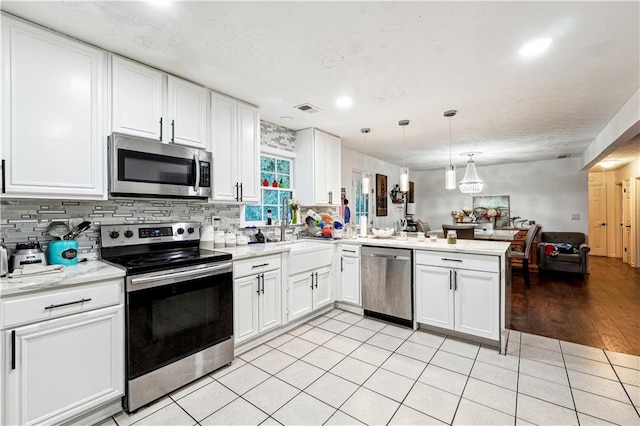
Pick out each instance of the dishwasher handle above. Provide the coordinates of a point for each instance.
(387, 256)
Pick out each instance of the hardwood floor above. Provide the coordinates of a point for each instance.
(602, 311)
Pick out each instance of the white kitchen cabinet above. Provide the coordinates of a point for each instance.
(350, 288)
(317, 169)
(309, 285)
(137, 102)
(458, 292)
(236, 150)
(188, 113)
(53, 115)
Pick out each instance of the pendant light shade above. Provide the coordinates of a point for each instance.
(450, 170)
(366, 181)
(366, 184)
(471, 183)
(404, 171)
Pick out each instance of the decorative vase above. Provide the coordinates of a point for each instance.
(294, 217)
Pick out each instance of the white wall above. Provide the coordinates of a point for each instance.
(548, 192)
(355, 161)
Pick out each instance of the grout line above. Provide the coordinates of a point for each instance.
(621, 383)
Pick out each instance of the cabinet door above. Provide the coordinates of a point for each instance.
(322, 288)
(64, 367)
(53, 139)
(300, 297)
(332, 164)
(188, 113)
(137, 99)
(270, 309)
(350, 280)
(223, 147)
(477, 303)
(434, 296)
(248, 153)
(245, 308)
(321, 192)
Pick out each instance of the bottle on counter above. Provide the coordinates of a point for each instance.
(452, 237)
(269, 220)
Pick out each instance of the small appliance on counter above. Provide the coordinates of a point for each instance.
(26, 254)
(63, 252)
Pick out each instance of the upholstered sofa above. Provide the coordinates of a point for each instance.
(560, 260)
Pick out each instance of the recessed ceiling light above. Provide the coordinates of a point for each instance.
(535, 47)
(344, 102)
(160, 3)
(286, 118)
(607, 164)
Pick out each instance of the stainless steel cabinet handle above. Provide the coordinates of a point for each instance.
(75, 302)
(262, 276)
(455, 280)
(13, 349)
(237, 191)
(260, 266)
(451, 260)
(349, 251)
(312, 281)
(330, 197)
(4, 189)
(173, 130)
(341, 264)
(160, 128)
(241, 194)
(450, 280)
(258, 277)
(316, 280)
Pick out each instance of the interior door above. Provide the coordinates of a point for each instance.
(598, 220)
(626, 221)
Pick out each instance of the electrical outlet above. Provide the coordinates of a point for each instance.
(575, 216)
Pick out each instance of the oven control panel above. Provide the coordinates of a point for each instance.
(133, 234)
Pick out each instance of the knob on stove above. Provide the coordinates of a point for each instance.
(180, 231)
(190, 230)
(128, 233)
(114, 234)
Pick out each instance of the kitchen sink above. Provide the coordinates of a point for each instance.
(302, 245)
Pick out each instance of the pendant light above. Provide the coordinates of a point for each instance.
(471, 183)
(366, 181)
(404, 171)
(450, 170)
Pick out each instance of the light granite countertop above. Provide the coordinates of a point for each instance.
(495, 248)
(82, 273)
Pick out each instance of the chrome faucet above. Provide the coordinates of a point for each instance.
(285, 217)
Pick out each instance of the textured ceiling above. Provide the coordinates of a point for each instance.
(398, 60)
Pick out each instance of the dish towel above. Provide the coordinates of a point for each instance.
(36, 270)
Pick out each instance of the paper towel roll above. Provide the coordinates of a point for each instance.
(411, 208)
(363, 226)
(206, 233)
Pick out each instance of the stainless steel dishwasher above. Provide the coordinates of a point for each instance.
(387, 284)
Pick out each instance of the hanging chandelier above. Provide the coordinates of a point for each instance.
(450, 170)
(404, 171)
(366, 181)
(471, 183)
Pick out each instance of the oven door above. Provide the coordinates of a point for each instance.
(173, 314)
(143, 167)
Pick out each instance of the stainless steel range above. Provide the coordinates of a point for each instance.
(179, 306)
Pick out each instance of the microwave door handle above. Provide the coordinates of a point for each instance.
(196, 186)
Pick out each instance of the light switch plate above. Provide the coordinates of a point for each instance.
(575, 216)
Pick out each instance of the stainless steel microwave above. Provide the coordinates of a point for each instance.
(141, 167)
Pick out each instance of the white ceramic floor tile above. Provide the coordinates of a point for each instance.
(370, 407)
(588, 366)
(541, 412)
(273, 361)
(389, 384)
(520, 422)
(271, 395)
(515, 336)
(405, 366)
(545, 390)
(427, 338)
(255, 353)
(300, 329)
(206, 400)
(586, 382)
(605, 408)
(341, 419)
(634, 394)
(300, 374)
(297, 347)
(317, 320)
(348, 317)
(358, 333)
(624, 360)
(334, 326)
(492, 396)
(332, 313)
(271, 422)
(277, 341)
(107, 422)
(540, 342)
(317, 336)
(583, 351)
(471, 413)
(239, 413)
(193, 386)
(125, 419)
(444, 379)
(408, 416)
(496, 375)
(491, 356)
(433, 402)
(629, 376)
(416, 351)
(332, 389)
(371, 324)
(371, 354)
(459, 347)
(172, 414)
(244, 378)
(452, 362)
(353, 370)
(385, 341)
(586, 420)
(304, 410)
(544, 371)
(342, 344)
(323, 358)
(541, 355)
(397, 331)
(235, 364)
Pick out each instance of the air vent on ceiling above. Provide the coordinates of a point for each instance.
(308, 108)
(564, 156)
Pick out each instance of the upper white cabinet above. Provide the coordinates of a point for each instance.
(137, 99)
(188, 113)
(53, 133)
(236, 150)
(317, 167)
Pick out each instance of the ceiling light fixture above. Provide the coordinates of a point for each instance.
(607, 164)
(535, 47)
(450, 170)
(404, 171)
(160, 3)
(366, 182)
(471, 183)
(344, 102)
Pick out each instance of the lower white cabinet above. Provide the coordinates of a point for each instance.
(309, 291)
(455, 298)
(350, 288)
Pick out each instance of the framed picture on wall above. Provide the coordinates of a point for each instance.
(381, 195)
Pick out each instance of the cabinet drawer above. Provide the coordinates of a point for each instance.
(475, 262)
(349, 250)
(57, 303)
(257, 265)
(306, 260)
